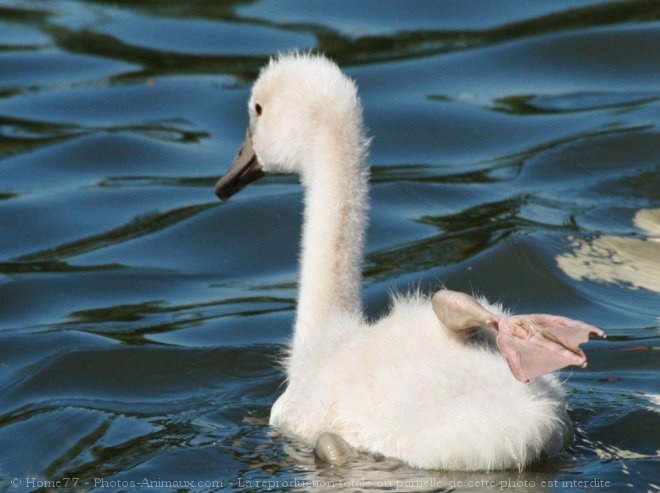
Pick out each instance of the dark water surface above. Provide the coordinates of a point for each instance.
(516, 153)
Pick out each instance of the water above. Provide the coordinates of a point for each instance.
(515, 153)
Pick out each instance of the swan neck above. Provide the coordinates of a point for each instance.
(333, 232)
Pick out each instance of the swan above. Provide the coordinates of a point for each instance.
(425, 384)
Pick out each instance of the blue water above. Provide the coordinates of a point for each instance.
(515, 154)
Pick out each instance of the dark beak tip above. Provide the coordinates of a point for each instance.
(229, 185)
(222, 196)
(244, 170)
(224, 191)
(220, 191)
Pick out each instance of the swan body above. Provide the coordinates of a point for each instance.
(426, 383)
(405, 387)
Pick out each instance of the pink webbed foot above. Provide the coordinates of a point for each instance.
(534, 345)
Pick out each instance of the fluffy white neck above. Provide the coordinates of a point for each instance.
(334, 229)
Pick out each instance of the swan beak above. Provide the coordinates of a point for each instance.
(244, 170)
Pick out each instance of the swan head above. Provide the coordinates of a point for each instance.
(296, 99)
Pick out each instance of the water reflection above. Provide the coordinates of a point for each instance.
(619, 259)
(543, 104)
(374, 473)
(138, 227)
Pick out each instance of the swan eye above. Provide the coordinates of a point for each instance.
(258, 109)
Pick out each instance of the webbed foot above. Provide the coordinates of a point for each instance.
(333, 449)
(537, 344)
(459, 311)
(532, 344)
